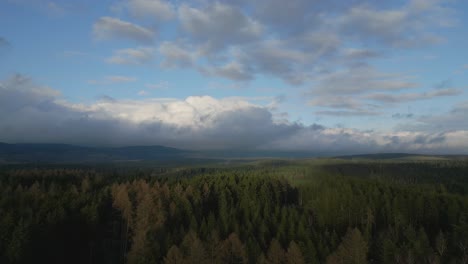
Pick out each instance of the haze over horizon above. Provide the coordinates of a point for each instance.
(337, 76)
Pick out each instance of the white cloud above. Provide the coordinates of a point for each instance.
(239, 40)
(175, 55)
(155, 9)
(345, 141)
(218, 25)
(132, 56)
(113, 28)
(362, 79)
(454, 120)
(278, 59)
(234, 71)
(38, 114)
(363, 90)
(405, 26)
(194, 112)
(196, 122)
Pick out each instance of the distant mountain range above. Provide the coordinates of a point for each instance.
(62, 153)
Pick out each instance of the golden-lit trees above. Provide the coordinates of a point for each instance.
(294, 254)
(174, 256)
(232, 250)
(352, 250)
(276, 254)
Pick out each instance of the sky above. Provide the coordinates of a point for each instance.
(300, 75)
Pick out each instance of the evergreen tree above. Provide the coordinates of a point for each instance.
(441, 244)
(174, 256)
(193, 249)
(352, 250)
(276, 254)
(232, 250)
(294, 254)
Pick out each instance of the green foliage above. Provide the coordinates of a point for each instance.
(267, 212)
(352, 250)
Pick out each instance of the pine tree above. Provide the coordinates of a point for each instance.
(276, 254)
(174, 256)
(193, 248)
(352, 250)
(440, 244)
(122, 202)
(294, 254)
(19, 240)
(232, 250)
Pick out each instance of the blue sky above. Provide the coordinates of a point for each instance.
(350, 76)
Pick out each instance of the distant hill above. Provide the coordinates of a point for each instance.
(63, 153)
(401, 156)
(59, 153)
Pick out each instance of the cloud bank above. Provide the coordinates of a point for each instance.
(39, 114)
(326, 47)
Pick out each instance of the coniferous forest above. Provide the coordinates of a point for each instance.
(277, 211)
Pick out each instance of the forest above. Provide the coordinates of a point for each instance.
(264, 211)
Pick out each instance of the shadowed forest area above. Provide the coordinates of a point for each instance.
(277, 211)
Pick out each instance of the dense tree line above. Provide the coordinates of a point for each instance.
(267, 212)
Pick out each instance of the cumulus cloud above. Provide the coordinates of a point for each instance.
(352, 89)
(234, 71)
(132, 56)
(363, 90)
(113, 28)
(409, 25)
(278, 59)
(298, 41)
(218, 25)
(155, 9)
(39, 114)
(351, 141)
(177, 55)
(454, 120)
